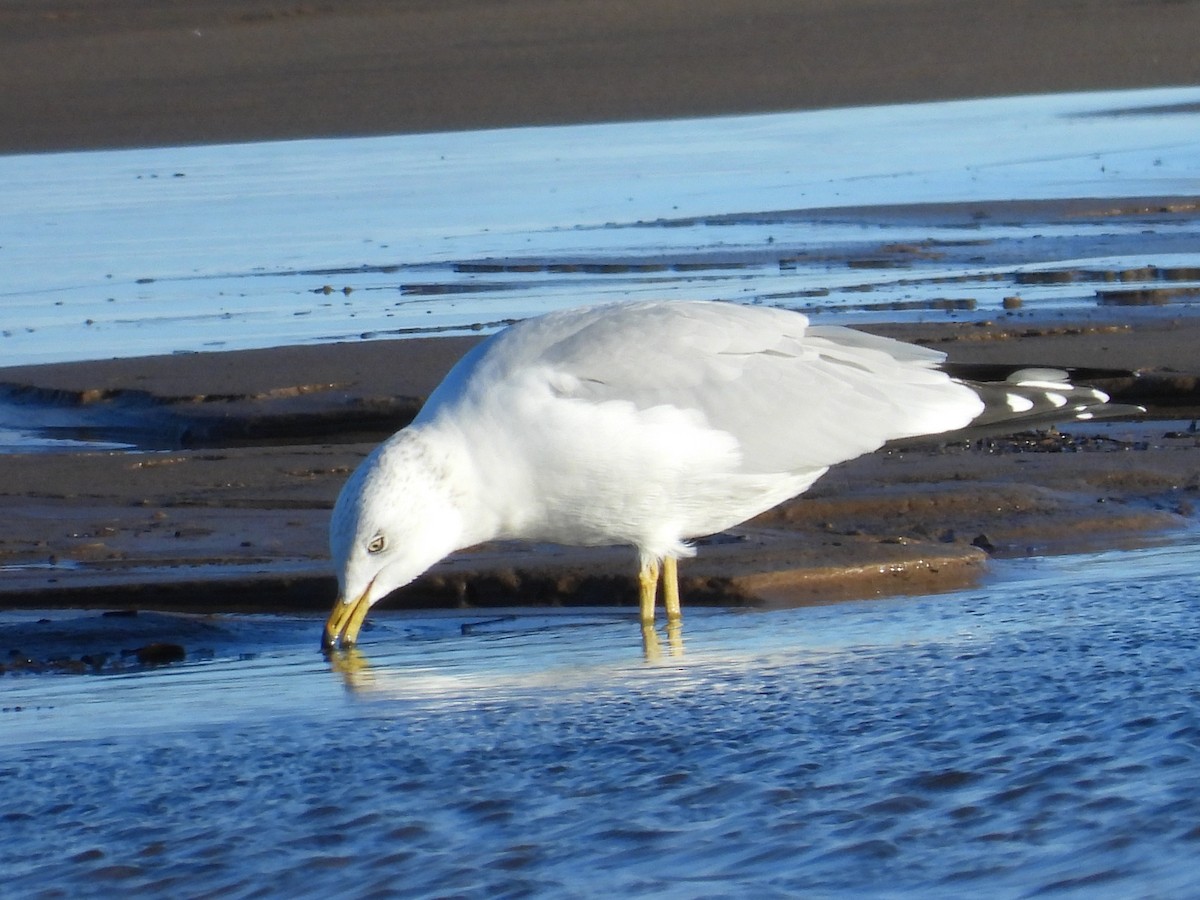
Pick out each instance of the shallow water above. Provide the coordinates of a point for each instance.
(1037, 737)
(134, 252)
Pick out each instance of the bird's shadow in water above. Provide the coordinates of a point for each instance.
(360, 675)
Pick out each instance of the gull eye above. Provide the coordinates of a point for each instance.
(377, 544)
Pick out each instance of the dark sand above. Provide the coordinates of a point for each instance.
(236, 518)
(80, 74)
(237, 522)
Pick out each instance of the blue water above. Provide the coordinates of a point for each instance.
(162, 250)
(1039, 736)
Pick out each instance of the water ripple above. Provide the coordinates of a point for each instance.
(1036, 739)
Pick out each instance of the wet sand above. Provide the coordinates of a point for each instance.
(135, 73)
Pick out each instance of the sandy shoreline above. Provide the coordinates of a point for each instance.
(134, 73)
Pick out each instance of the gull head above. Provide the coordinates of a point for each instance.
(395, 517)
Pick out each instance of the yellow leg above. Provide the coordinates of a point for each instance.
(648, 589)
(648, 578)
(670, 582)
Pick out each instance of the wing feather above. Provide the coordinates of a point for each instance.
(795, 397)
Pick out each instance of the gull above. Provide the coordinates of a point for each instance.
(648, 424)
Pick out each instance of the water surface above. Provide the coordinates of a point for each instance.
(1039, 737)
(135, 252)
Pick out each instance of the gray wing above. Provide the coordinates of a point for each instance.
(796, 397)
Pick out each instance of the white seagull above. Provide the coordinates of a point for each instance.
(648, 424)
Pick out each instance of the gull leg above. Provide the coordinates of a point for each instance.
(648, 589)
(670, 580)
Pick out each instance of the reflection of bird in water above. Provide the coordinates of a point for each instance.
(646, 424)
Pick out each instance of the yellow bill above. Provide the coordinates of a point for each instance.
(344, 623)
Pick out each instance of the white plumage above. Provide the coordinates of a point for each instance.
(645, 424)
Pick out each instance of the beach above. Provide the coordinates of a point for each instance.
(241, 241)
(134, 73)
